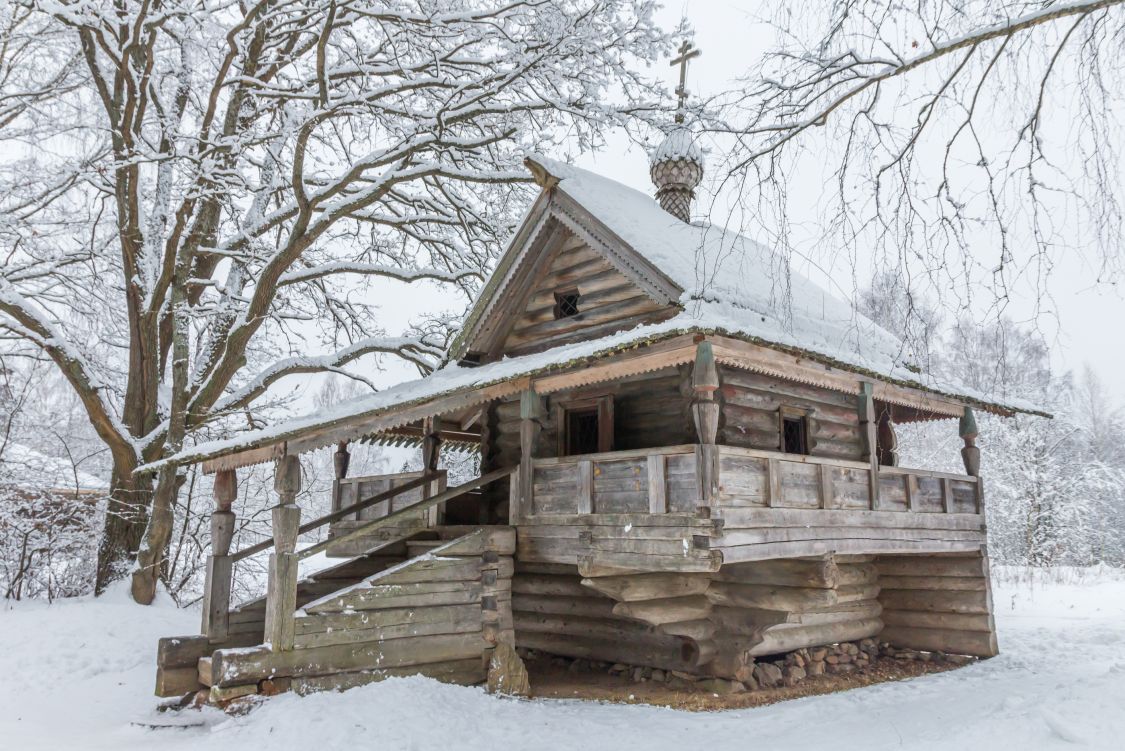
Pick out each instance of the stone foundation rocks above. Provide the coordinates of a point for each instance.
(787, 670)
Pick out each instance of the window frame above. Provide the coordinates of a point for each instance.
(560, 296)
(604, 406)
(786, 413)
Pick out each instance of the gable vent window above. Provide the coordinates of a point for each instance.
(566, 304)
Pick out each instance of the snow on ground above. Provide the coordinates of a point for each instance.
(79, 675)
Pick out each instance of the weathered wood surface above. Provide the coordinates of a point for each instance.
(561, 616)
(751, 402)
(605, 296)
(396, 518)
(785, 639)
(648, 586)
(938, 603)
(177, 659)
(465, 672)
(619, 482)
(441, 614)
(786, 598)
(665, 610)
(775, 506)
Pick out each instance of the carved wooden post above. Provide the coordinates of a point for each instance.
(340, 461)
(531, 416)
(705, 412)
(281, 592)
(970, 454)
(865, 408)
(431, 453)
(216, 588)
(886, 441)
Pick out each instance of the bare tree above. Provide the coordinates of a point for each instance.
(972, 142)
(195, 195)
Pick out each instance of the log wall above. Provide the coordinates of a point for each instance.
(750, 407)
(554, 612)
(938, 603)
(706, 623)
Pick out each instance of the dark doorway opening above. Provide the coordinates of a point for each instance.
(582, 431)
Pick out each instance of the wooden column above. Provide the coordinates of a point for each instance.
(531, 417)
(970, 454)
(431, 454)
(705, 413)
(216, 588)
(868, 425)
(340, 462)
(281, 592)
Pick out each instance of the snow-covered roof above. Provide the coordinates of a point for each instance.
(731, 285)
(24, 467)
(735, 285)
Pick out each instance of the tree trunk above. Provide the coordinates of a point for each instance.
(151, 555)
(126, 518)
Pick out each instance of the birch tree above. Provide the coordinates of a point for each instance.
(972, 142)
(196, 194)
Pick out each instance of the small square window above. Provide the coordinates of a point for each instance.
(566, 304)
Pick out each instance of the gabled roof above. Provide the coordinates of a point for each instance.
(722, 282)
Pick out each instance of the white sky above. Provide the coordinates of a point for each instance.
(1081, 325)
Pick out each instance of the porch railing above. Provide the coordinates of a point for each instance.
(671, 479)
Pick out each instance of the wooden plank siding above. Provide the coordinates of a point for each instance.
(939, 603)
(605, 297)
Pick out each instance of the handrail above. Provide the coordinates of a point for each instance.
(606, 456)
(887, 470)
(394, 516)
(781, 456)
(341, 513)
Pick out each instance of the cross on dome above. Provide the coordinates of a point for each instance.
(676, 164)
(687, 51)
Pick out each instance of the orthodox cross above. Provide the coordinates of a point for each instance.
(687, 52)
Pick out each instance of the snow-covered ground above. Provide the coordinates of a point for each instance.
(79, 674)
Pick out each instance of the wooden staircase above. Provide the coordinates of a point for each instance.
(433, 601)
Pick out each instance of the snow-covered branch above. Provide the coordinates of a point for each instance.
(424, 355)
